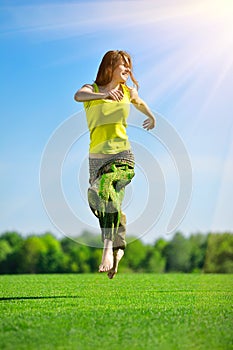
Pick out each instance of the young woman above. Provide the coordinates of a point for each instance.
(111, 161)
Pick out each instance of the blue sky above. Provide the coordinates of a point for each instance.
(183, 59)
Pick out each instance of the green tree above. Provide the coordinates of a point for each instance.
(95, 259)
(5, 250)
(198, 251)
(135, 255)
(178, 254)
(51, 258)
(13, 238)
(79, 256)
(29, 256)
(10, 245)
(219, 254)
(155, 260)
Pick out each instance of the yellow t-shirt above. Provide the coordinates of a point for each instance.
(107, 124)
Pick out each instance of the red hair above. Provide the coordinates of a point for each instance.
(109, 63)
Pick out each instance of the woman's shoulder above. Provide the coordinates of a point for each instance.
(89, 86)
(131, 91)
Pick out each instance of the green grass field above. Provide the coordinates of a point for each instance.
(132, 311)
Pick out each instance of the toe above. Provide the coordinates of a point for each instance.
(111, 273)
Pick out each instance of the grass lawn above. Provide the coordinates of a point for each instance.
(132, 311)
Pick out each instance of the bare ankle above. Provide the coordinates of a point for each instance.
(108, 244)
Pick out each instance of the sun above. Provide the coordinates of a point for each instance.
(219, 14)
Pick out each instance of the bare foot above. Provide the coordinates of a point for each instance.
(118, 254)
(107, 257)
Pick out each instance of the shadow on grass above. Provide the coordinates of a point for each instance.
(40, 297)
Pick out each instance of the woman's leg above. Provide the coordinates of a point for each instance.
(107, 256)
(112, 223)
(117, 256)
(105, 198)
(120, 235)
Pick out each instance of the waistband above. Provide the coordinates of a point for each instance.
(95, 164)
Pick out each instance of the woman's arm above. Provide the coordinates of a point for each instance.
(87, 93)
(141, 105)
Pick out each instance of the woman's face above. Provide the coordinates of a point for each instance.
(122, 70)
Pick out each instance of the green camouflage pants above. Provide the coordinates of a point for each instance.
(105, 197)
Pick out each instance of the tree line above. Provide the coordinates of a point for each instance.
(208, 253)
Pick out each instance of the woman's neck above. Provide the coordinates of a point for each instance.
(111, 86)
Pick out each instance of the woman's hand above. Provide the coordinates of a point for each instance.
(141, 105)
(149, 123)
(115, 95)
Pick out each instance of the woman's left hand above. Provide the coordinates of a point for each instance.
(149, 123)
